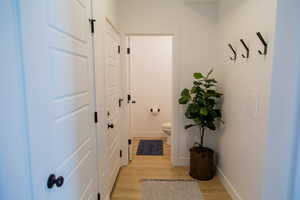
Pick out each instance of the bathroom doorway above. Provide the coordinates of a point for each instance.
(150, 88)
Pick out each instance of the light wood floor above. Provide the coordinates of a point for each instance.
(128, 187)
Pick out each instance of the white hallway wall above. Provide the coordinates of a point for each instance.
(151, 84)
(246, 83)
(15, 181)
(194, 48)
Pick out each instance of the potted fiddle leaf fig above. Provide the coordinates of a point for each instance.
(201, 108)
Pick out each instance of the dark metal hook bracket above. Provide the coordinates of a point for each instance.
(247, 49)
(264, 43)
(234, 52)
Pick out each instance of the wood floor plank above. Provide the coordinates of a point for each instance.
(128, 185)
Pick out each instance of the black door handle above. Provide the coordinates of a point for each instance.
(133, 101)
(52, 180)
(110, 126)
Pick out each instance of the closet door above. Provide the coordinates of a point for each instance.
(58, 82)
(113, 94)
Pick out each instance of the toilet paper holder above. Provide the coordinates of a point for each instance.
(151, 110)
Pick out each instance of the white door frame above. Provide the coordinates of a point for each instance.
(175, 90)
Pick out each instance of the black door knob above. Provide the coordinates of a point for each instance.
(134, 102)
(52, 180)
(110, 126)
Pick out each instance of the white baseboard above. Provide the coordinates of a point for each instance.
(105, 197)
(224, 180)
(182, 162)
(228, 185)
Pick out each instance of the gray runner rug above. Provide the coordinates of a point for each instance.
(170, 190)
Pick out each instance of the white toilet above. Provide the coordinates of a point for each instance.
(167, 128)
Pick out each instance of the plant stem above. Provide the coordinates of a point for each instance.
(202, 130)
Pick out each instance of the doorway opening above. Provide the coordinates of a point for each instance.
(150, 86)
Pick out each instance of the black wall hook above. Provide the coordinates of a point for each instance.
(247, 49)
(234, 52)
(264, 43)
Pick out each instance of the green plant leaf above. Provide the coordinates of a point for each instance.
(211, 102)
(192, 111)
(197, 83)
(213, 93)
(199, 121)
(218, 113)
(198, 75)
(211, 81)
(185, 92)
(188, 114)
(204, 111)
(193, 108)
(209, 73)
(184, 100)
(208, 85)
(211, 126)
(189, 126)
(194, 89)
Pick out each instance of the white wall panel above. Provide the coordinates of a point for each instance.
(246, 84)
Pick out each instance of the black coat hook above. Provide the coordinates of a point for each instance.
(264, 43)
(234, 52)
(247, 49)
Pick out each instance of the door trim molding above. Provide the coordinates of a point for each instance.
(113, 26)
(175, 88)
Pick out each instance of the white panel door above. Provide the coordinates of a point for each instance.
(113, 93)
(58, 77)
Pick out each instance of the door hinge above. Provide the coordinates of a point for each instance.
(128, 50)
(92, 23)
(121, 153)
(119, 49)
(96, 117)
(128, 98)
(129, 141)
(99, 196)
(120, 102)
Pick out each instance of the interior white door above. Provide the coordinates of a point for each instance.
(58, 77)
(113, 94)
